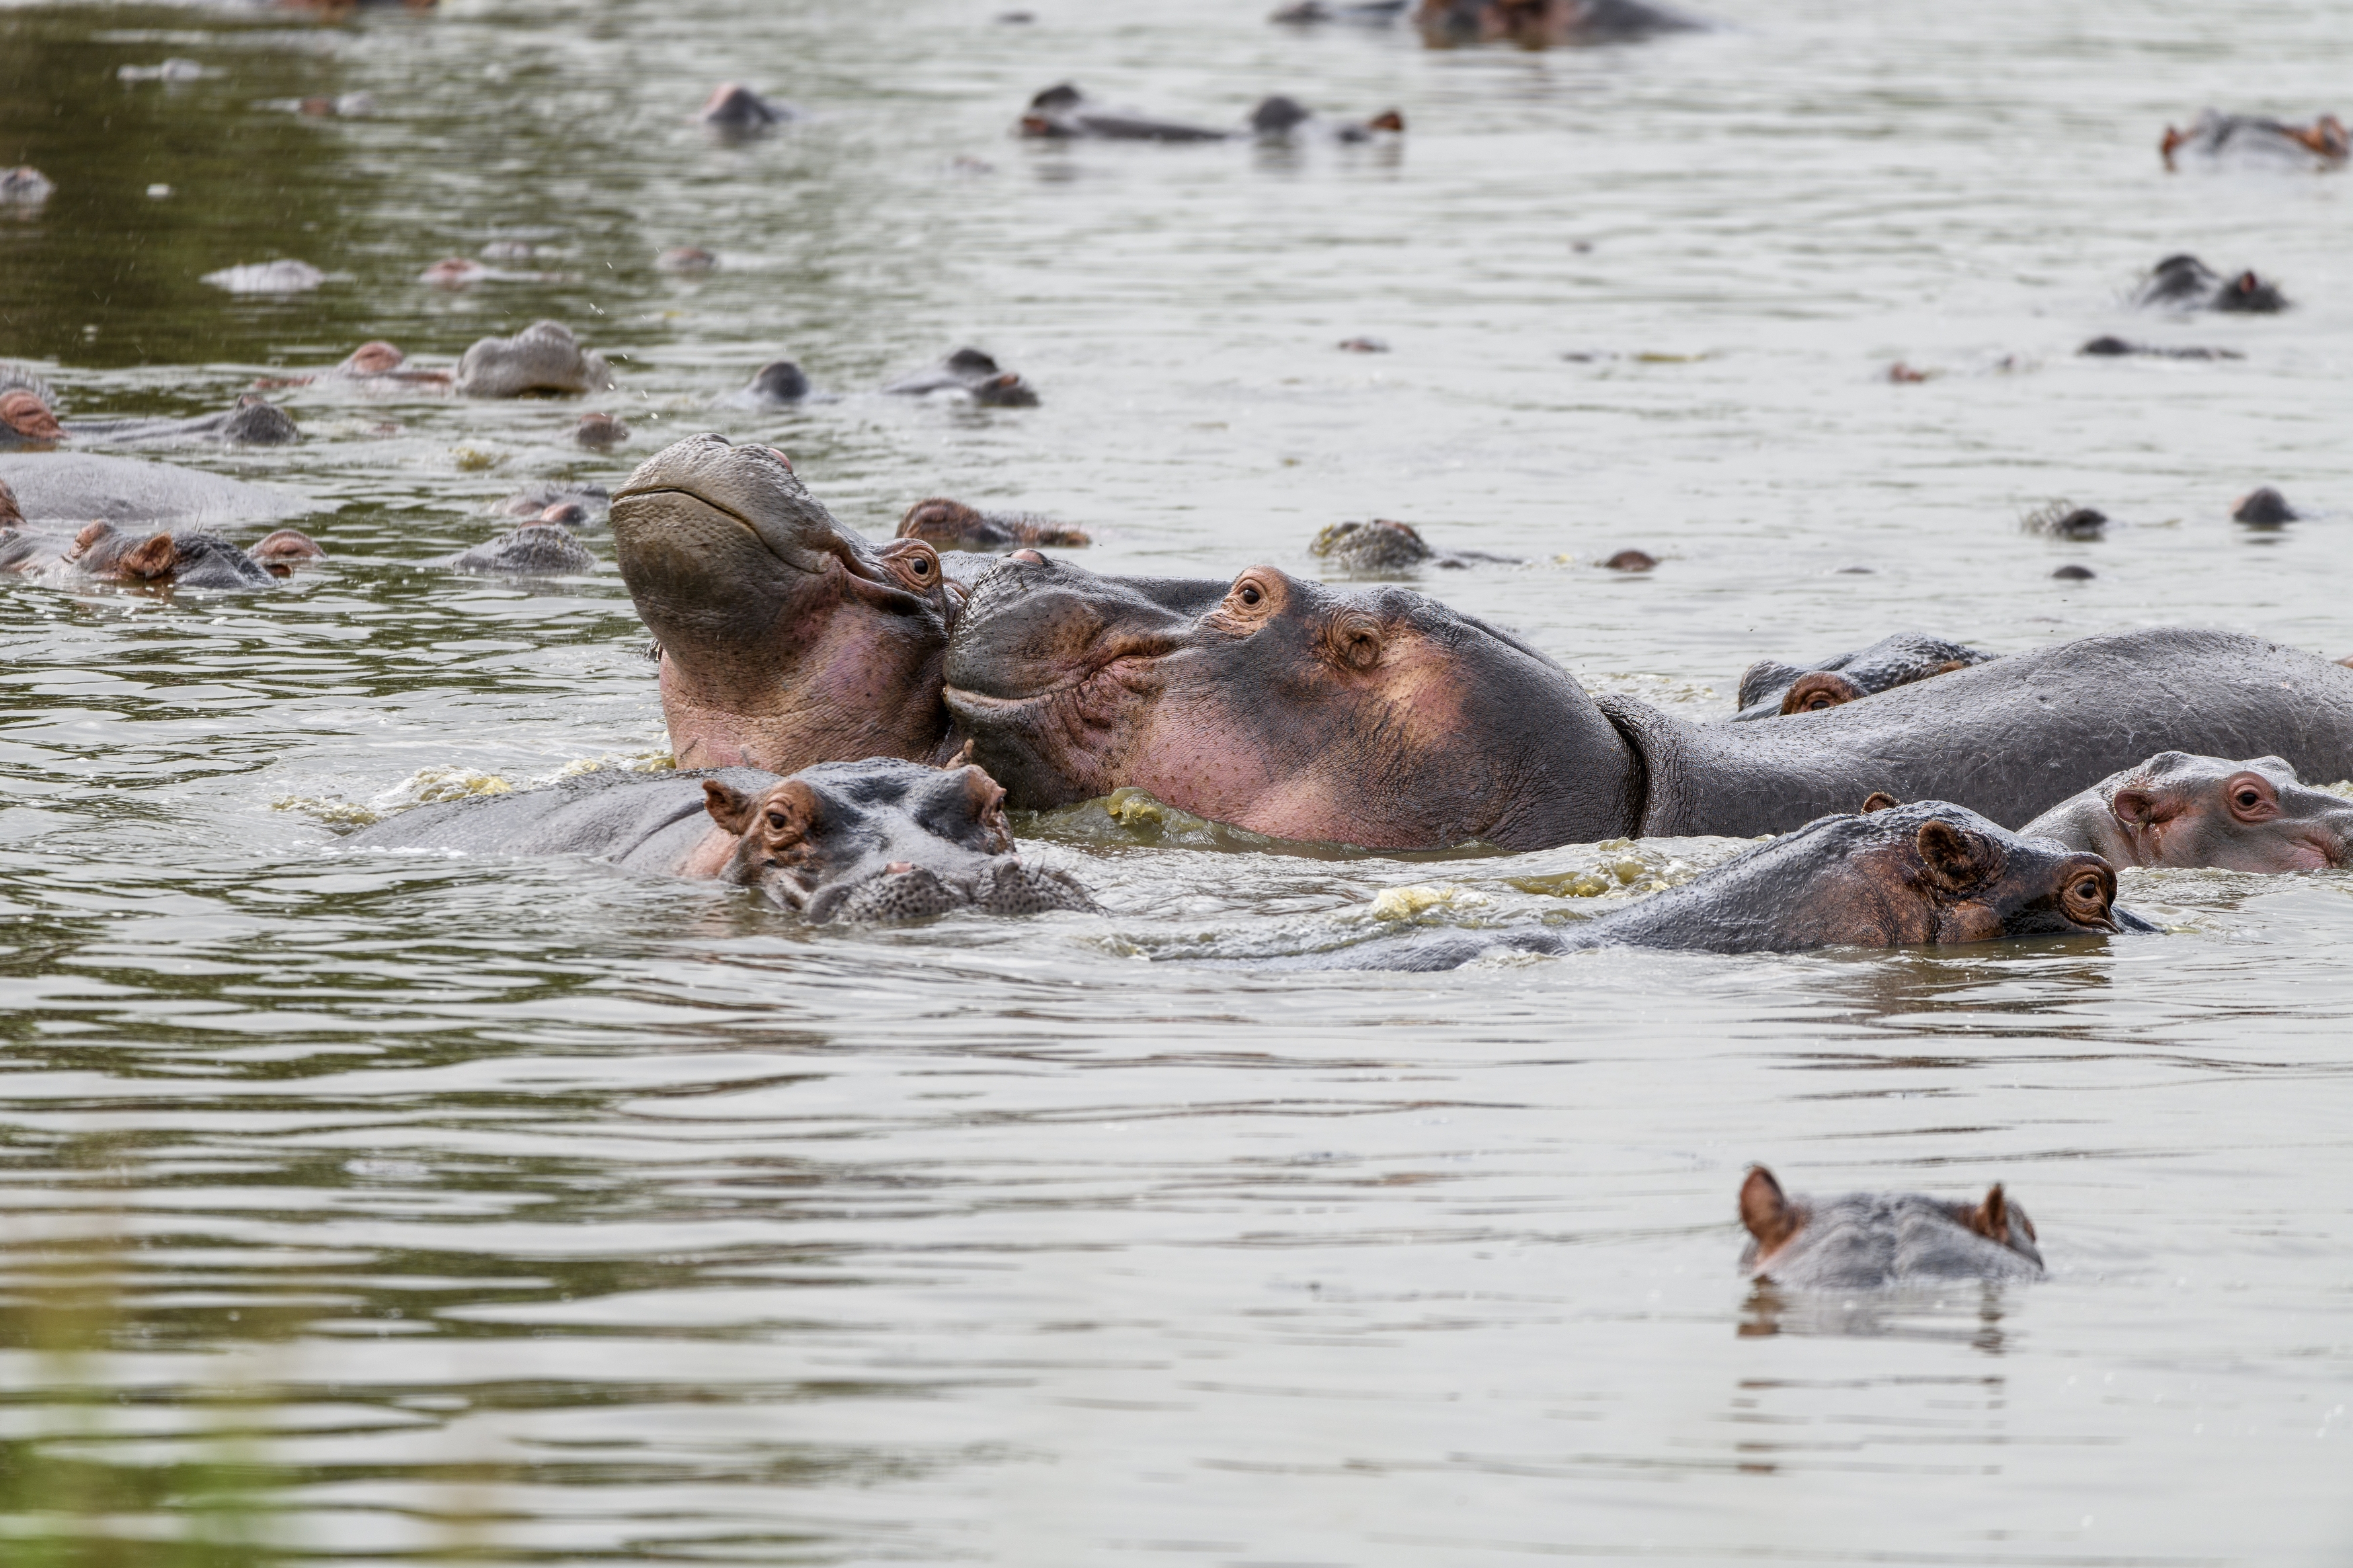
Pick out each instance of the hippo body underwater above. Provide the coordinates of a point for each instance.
(1064, 113)
(1533, 24)
(2176, 809)
(972, 373)
(882, 839)
(1376, 716)
(77, 487)
(1864, 1241)
(2185, 283)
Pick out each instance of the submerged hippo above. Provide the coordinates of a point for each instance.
(1063, 113)
(2247, 138)
(1769, 687)
(1376, 716)
(554, 500)
(2264, 507)
(251, 421)
(1863, 1241)
(780, 382)
(2116, 347)
(542, 360)
(876, 841)
(1535, 23)
(24, 187)
(374, 366)
(2176, 809)
(1928, 873)
(734, 109)
(285, 276)
(182, 558)
(1385, 545)
(544, 549)
(2185, 283)
(952, 525)
(76, 486)
(971, 372)
(1359, 12)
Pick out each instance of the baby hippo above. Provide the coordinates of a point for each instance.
(2176, 809)
(878, 840)
(1863, 1241)
(1928, 873)
(1769, 687)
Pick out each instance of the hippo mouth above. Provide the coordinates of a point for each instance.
(831, 550)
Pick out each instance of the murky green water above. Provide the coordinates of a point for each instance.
(547, 1216)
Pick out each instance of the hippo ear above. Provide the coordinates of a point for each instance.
(730, 808)
(1817, 690)
(153, 559)
(1955, 860)
(2133, 805)
(1879, 800)
(1765, 1211)
(988, 798)
(1990, 1219)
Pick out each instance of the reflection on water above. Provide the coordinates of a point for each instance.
(408, 1209)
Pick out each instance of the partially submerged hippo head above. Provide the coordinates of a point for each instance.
(541, 549)
(2176, 809)
(734, 109)
(778, 381)
(1863, 1241)
(1376, 717)
(26, 420)
(952, 525)
(544, 360)
(2264, 507)
(255, 422)
(1769, 687)
(1380, 545)
(2185, 283)
(184, 558)
(785, 639)
(973, 373)
(883, 840)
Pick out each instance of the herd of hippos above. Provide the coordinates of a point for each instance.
(851, 721)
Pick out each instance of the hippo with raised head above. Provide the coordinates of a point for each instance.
(1385, 546)
(1063, 113)
(1931, 873)
(75, 487)
(2185, 283)
(1864, 1241)
(2176, 809)
(542, 360)
(971, 372)
(535, 550)
(182, 558)
(882, 839)
(1769, 687)
(1533, 24)
(952, 525)
(1376, 717)
(2215, 137)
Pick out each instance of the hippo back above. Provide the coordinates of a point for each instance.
(641, 821)
(80, 487)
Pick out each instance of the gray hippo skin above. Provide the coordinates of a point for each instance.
(876, 841)
(1769, 687)
(2176, 809)
(1925, 874)
(2185, 283)
(534, 549)
(2216, 137)
(1535, 23)
(184, 558)
(543, 359)
(1865, 1241)
(1384, 546)
(972, 373)
(76, 486)
(952, 525)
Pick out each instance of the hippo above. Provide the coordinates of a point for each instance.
(2264, 507)
(76, 486)
(1866, 1241)
(1363, 13)
(600, 432)
(2111, 347)
(2246, 138)
(26, 420)
(1382, 545)
(1063, 113)
(24, 187)
(971, 372)
(251, 421)
(283, 277)
(2185, 283)
(182, 558)
(542, 360)
(882, 839)
(540, 549)
(779, 383)
(573, 505)
(1769, 687)
(1930, 873)
(2176, 809)
(689, 260)
(1535, 23)
(372, 365)
(734, 109)
(952, 525)
(1374, 716)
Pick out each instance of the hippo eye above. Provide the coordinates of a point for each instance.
(1251, 595)
(2249, 799)
(2089, 890)
(779, 821)
(920, 567)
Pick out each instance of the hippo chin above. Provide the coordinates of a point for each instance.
(952, 525)
(1864, 1241)
(1768, 688)
(785, 639)
(971, 372)
(2176, 809)
(1931, 873)
(543, 359)
(184, 558)
(1532, 24)
(1382, 545)
(2217, 138)
(2185, 283)
(546, 549)
(76, 486)
(869, 841)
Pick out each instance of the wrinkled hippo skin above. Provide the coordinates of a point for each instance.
(2248, 138)
(1865, 1241)
(1769, 687)
(1535, 23)
(1928, 873)
(1384, 546)
(1063, 113)
(534, 549)
(875, 841)
(2176, 809)
(77, 487)
(542, 360)
(251, 422)
(2185, 283)
(952, 525)
(784, 634)
(182, 558)
(972, 373)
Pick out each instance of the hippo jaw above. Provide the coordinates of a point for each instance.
(784, 638)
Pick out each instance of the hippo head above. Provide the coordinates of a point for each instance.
(372, 358)
(188, 558)
(778, 381)
(1930, 872)
(1376, 717)
(2176, 809)
(26, 420)
(1868, 1238)
(785, 637)
(883, 840)
(1375, 546)
(256, 423)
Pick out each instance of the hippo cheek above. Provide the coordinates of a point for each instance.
(1968, 920)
